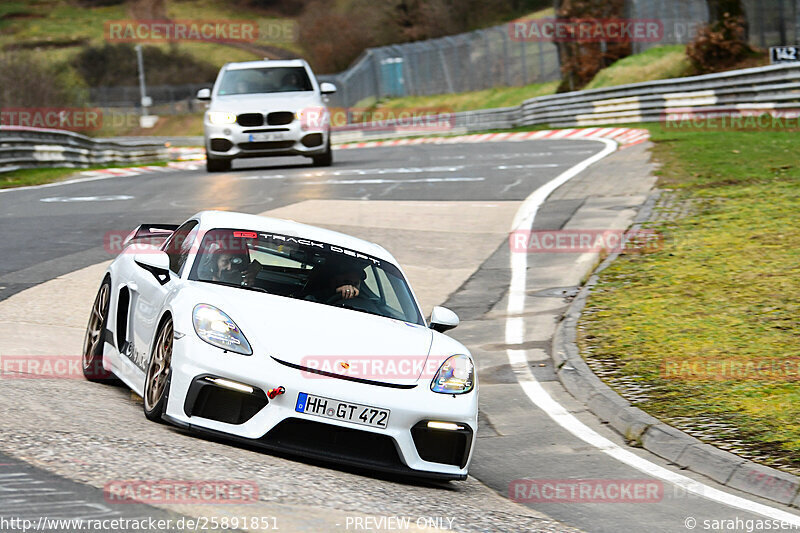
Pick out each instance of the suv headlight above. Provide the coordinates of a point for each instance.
(221, 117)
(455, 376)
(217, 329)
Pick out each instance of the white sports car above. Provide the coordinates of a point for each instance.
(287, 336)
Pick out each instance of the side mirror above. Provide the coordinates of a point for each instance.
(155, 262)
(204, 94)
(443, 319)
(327, 87)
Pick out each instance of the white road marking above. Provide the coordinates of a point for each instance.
(67, 182)
(511, 185)
(515, 334)
(380, 181)
(517, 167)
(367, 181)
(397, 170)
(112, 198)
(500, 156)
(357, 172)
(263, 177)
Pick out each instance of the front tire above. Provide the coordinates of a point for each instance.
(94, 340)
(326, 159)
(217, 165)
(159, 372)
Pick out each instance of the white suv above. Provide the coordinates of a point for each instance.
(266, 108)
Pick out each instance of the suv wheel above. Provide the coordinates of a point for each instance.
(217, 165)
(326, 159)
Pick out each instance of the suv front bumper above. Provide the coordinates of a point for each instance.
(232, 141)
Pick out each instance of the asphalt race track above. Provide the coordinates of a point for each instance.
(445, 212)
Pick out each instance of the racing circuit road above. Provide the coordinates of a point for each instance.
(444, 211)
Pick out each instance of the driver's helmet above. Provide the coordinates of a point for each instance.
(227, 261)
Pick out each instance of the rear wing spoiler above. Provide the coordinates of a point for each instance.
(150, 232)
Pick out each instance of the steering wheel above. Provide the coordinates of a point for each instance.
(337, 296)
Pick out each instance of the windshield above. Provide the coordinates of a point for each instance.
(305, 270)
(264, 80)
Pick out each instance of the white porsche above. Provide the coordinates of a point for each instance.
(286, 336)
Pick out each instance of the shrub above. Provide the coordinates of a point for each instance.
(115, 64)
(37, 83)
(720, 45)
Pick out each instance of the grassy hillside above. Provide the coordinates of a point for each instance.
(63, 29)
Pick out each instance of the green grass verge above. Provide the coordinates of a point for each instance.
(658, 63)
(39, 176)
(723, 289)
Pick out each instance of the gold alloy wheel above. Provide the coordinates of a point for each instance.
(159, 368)
(94, 331)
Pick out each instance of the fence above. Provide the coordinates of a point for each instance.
(763, 89)
(770, 22)
(168, 99)
(466, 62)
(32, 148)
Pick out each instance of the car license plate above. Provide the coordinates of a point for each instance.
(268, 137)
(337, 410)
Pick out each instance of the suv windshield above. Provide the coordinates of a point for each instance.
(299, 268)
(264, 80)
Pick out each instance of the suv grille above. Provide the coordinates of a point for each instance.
(279, 118)
(250, 120)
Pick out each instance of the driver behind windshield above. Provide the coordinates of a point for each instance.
(233, 267)
(346, 282)
(330, 283)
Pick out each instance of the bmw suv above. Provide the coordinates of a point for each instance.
(266, 108)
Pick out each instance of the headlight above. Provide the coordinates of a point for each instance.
(455, 376)
(217, 329)
(221, 117)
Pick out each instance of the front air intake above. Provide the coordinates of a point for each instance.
(446, 446)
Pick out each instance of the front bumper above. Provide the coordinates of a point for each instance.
(276, 425)
(232, 141)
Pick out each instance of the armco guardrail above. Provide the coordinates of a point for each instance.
(771, 88)
(40, 148)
